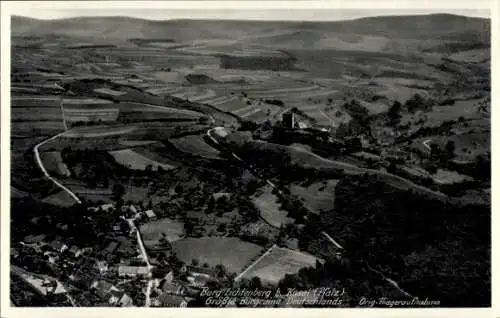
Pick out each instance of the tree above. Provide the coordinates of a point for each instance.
(210, 205)
(394, 112)
(435, 151)
(450, 148)
(118, 191)
(256, 283)
(105, 182)
(220, 271)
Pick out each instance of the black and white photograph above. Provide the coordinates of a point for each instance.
(248, 157)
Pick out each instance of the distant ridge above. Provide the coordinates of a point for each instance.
(119, 28)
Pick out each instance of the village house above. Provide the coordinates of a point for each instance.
(150, 214)
(171, 287)
(74, 250)
(112, 294)
(35, 242)
(108, 207)
(58, 246)
(133, 209)
(53, 287)
(199, 276)
(102, 266)
(219, 195)
(132, 271)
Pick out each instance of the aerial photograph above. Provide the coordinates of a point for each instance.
(232, 159)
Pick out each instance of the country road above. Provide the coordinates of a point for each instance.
(145, 256)
(40, 164)
(426, 144)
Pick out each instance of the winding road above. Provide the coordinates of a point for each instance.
(40, 164)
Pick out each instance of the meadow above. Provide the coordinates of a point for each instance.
(270, 209)
(135, 161)
(276, 263)
(231, 252)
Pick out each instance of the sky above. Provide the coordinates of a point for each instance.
(313, 11)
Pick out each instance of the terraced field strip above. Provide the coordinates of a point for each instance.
(39, 98)
(244, 110)
(78, 101)
(207, 94)
(85, 115)
(226, 99)
(251, 112)
(286, 90)
(98, 132)
(109, 91)
(216, 99)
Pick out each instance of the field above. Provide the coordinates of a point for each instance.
(98, 131)
(141, 112)
(135, 161)
(92, 115)
(28, 114)
(109, 91)
(439, 114)
(449, 177)
(61, 198)
(270, 210)
(317, 197)
(133, 192)
(231, 252)
(52, 161)
(467, 145)
(152, 231)
(277, 262)
(195, 145)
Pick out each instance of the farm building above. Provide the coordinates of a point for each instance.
(150, 214)
(102, 266)
(132, 271)
(219, 195)
(288, 120)
(108, 207)
(34, 239)
(58, 246)
(172, 288)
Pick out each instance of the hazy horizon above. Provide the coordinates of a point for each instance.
(243, 14)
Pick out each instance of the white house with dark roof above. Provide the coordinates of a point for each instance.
(150, 214)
